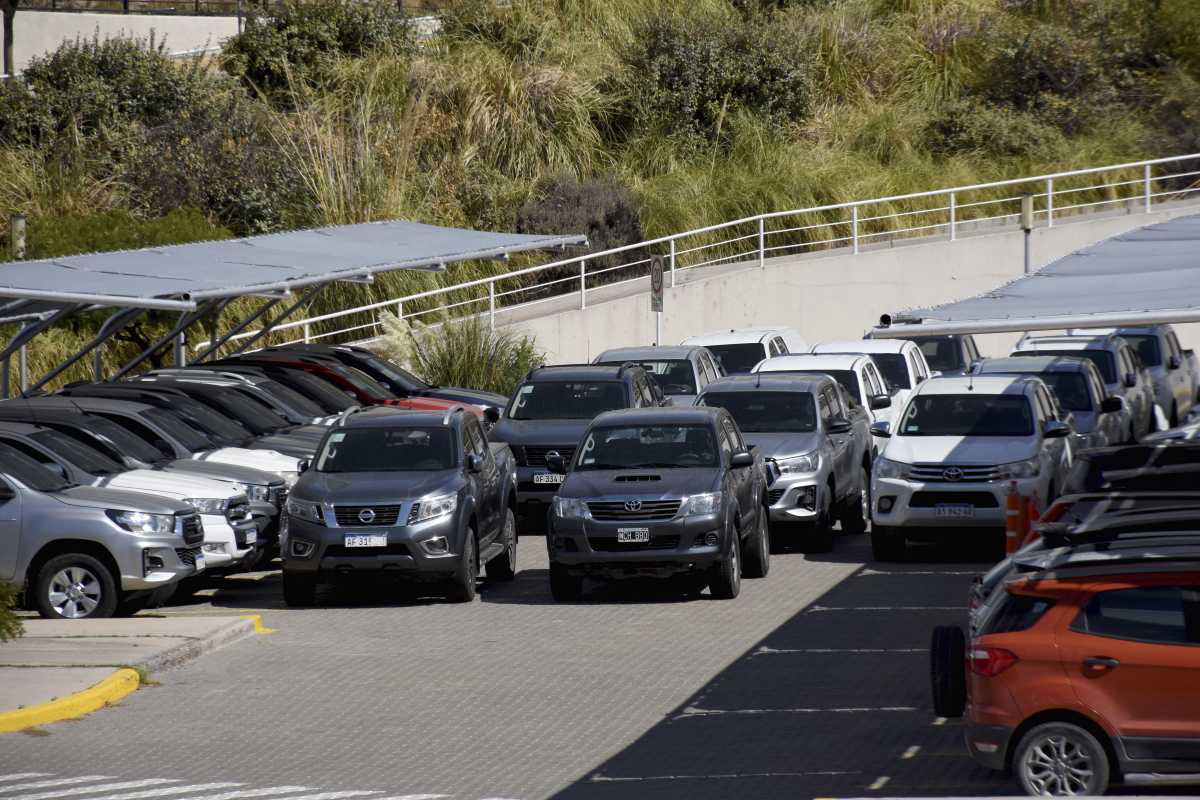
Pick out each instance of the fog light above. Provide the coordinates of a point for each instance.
(711, 539)
(807, 497)
(885, 504)
(214, 547)
(151, 562)
(986, 747)
(566, 544)
(437, 546)
(301, 548)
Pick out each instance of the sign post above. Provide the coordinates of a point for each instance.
(656, 296)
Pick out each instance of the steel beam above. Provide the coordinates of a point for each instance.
(304, 298)
(111, 326)
(186, 319)
(99, 299)
(235, 330)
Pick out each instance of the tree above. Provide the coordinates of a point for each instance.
(9, 9)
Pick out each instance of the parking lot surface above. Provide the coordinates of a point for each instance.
(814, 682)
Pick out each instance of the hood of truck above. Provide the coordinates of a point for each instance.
(783, 445)
(120, 500)
(665, 483)
(172, 483)
(375, 488)
(961, 450)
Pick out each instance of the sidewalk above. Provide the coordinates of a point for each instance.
(65, 668)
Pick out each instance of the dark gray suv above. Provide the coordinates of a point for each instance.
(660, 492)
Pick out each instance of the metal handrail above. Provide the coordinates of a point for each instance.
(850, 220)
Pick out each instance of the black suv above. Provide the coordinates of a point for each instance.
(661, 492)
(549, 412)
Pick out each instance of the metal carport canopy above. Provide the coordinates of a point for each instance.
(177, 277)
(1146, 276)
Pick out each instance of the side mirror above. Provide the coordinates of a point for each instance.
(1174, 362)
(303, 465)
(1130, 379)
(880, 401)
(57, 469)
(881, 429)
(1111, 404)
(6, 493)
(742, 460)
(838, 426)
(474, 463)
(491, 415)
(1053, 429)
(556, 463)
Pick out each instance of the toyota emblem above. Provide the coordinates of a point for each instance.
(366, 516)
(952, 474)
(633, 505)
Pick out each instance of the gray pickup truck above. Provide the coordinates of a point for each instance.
(420, 496)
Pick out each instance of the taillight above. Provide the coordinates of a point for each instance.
(1057, 511)
(990, 661)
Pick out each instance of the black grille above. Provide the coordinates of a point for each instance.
(188, 555)
(536, 456)
(775, 495)
(341, 551)
(931, 499)
(609, 544)
(646, 510)
(636, 478)
(347, 516)
(193, 530)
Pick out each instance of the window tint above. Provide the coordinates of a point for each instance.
(30, 471)
(735, 436)
(823, 405)
(1017, 613)
(738, 359)
(567, 399)
(75, 452)
(941, 352)
(143, 432)
(1101, 358)
(894, 369)
(387, 450)
(648, 447)
(967, 415)
(1070, 388)
(764, 412)
(1173, 345)
(1164, 614)
(1146, 347)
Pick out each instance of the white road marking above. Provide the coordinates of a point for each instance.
(161, 792)
(598, 778)
(869, 571)
(96, 787)
(692, 711)
(20, 776)
(771, 651)
(251, 793)
(886, 608)
(16, 787)
(879, 783)
(911, 752)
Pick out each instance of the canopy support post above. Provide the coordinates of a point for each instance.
(270, 326)
(116, 322)
(185, 320)
(27, 332)
(215, 345)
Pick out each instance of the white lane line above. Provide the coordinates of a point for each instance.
(162, 792)
(598, 778)
(334, 795)
(270, 790)
(16, 787)
(869, 571)
(939, 721)
(414, 797)
(911, 752)
(692, 711)
(886, 608)
(20, 776)
(771, 651)
(879, 783)
(96, 787)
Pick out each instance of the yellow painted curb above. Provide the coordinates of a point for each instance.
(104, 693)
(258, 623)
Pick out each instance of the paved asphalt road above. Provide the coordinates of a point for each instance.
(814, 682)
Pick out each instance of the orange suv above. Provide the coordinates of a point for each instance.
(1089, 672)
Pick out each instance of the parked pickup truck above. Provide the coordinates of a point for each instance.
(417, 495)
(1173, 370)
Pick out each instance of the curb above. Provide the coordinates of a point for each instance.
(108, 691)
(237, 629)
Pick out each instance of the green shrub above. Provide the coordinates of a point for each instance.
(48, 237)
(603, 208)
(10, 623)
(976, 129)
(299, 41)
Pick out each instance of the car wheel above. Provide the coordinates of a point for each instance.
(1059, 759)
(299, 590)
(758, 548)
(75, 586)
(858, 509)
(564, 586)
(948, 670)
(504, 566)
(887, 544)
(462, 585)
(726, 582)
(820, 536)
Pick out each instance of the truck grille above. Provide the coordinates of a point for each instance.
(609, 544)
(932, 499)
(646, 510)
(536, 456)
(775, 495)
(936, 473)
(187, 555)
(193, 530)
(352, 516)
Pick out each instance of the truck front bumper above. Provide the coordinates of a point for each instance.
(681, 545)
(411, 550)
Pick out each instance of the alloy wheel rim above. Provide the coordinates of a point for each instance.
(1058, 766)
(74, 592)
(735, 561)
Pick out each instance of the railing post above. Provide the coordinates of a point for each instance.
(854, 228)
(762, 243)
(953, 215)
(1147, 194)
(1049, 202)
(307, 333)
(582, 285)
(492, 304)
(672, 260)
(399, 309)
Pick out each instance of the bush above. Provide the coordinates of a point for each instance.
(300, 40)
(48, 237)
(603, 208)
(980, 130)
(10, 624)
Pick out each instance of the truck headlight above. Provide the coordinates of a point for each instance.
(1021, 469)
(258, 493)
(701, 504)
(207, 505)
(440, 506)
(144, 524)
(570, 508)
(805, 462)
(305, 510)
(886, 468)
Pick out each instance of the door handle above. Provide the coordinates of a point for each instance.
(1100, 662)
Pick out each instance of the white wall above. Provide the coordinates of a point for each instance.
(36, 33)
(826, 296)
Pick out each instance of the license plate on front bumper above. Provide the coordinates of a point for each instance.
(549, 477)
(954, 512)
(251, 537)
(199, 562)
(632, 535)
(360, 540)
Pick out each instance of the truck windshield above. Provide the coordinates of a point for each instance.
(185, 434)
(942, 353)
(738, 359)
(86, 458)
(118, 440)
(29, 472)
(1146, 346)
(567, 399)
(767, 412)
(1101, 358)
(967, 415)
(675, 376)
(894, 369)
(387, 450)
(846, 377)
(648, 446)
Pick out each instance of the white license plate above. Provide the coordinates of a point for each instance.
(361, 540)
(199, 562)
(954, 512)
(549, 477)
(251, 537)
(633, 534)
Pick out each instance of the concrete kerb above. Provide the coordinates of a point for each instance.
(236, 630)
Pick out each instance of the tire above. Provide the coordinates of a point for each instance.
(299, 590)
(948, 671)
(504, 566)
(462, 584)
(855, 514)
(726, 581)
(1058, 758)
(564, 587)
(133, 602)
(820, 535)
(75, 586)
(887, 544)
(757, 561)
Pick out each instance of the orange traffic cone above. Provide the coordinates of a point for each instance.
(1015, 509)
